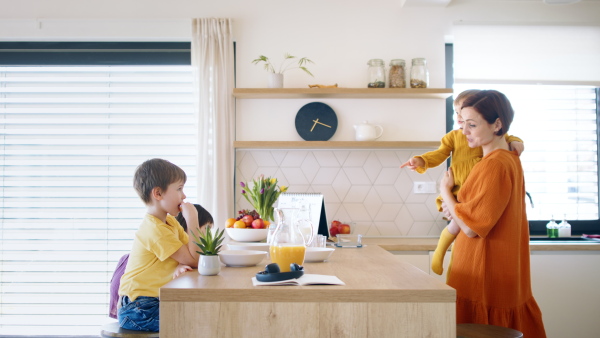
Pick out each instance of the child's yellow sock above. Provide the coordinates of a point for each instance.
(437, 262)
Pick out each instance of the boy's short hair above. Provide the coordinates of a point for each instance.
(155, 173)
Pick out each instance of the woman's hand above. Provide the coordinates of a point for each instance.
(446, 211)
(413, 163)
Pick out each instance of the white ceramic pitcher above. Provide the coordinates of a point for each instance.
(368, 132)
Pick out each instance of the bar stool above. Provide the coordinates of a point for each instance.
(485, 331)
(114, 330)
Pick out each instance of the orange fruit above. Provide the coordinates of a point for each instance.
(229, 222)
(267, 223)
(239, 224)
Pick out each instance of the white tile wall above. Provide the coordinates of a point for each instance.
(362, 186)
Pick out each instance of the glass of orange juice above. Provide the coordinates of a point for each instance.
(287, 245)
(284, 255)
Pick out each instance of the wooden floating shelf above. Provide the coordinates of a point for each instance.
(342, 93)
(334, 144)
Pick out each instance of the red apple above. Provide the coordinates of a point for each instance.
(333, 231)
(258, 223)
(344, 228)
(335, 224)
(248, 219)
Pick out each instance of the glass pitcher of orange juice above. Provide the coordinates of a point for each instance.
(287, 245)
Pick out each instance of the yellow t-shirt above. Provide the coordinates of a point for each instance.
(464, 158)
(150, 265)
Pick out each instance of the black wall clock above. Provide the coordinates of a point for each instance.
(316, 121)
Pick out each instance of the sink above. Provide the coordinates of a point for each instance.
(564, 240)
(560, 239)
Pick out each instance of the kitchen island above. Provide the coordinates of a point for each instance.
(383, 297)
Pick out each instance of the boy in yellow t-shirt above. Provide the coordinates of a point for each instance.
(464, 159)
(160, 247)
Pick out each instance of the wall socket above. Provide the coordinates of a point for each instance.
(424, 188)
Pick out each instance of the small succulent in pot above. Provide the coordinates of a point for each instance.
(209, 241)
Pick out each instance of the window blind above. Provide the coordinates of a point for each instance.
(559, 129)
(71, 140)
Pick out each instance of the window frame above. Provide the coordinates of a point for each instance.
(92, 54)
(536, 227)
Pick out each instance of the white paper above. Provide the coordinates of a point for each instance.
(306, 279)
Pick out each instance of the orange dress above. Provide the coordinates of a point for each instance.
(491, 272)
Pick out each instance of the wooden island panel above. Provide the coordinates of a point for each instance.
(383, 297)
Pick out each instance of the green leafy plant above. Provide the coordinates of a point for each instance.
(209, 242)
(285, 65)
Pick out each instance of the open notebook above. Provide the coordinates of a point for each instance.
(306, 279)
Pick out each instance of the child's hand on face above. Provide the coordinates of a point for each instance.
(413, 163)
(187, 209)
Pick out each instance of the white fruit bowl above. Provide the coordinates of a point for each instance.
(236, 258)
(247, 235)
(314, 254)
(248, 246)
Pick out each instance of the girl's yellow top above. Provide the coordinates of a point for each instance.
(464, 158)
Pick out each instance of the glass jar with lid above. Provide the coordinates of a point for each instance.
(419, 75)
(376, 73)
(397, 74)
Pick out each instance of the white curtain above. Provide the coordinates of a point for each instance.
(212, 59)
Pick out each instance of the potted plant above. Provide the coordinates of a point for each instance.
(209, 243)
(276, 75)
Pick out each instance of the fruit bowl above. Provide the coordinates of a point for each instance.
(314, 254)
(247, 234)
(242, 257)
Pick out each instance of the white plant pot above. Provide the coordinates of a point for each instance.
(209, 265)
(275, 80)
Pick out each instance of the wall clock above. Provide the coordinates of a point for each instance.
(316, 121)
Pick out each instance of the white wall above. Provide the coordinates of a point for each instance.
(340, 36)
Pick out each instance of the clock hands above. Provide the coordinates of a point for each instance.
(321, 123)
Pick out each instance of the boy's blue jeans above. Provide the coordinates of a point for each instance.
(140, 314)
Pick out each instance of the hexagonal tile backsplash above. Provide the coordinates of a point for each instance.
(366, 187)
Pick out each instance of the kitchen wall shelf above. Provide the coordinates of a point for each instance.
(334, 144)
(342, 93)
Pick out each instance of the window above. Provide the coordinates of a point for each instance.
(558, 125)
(71, 140)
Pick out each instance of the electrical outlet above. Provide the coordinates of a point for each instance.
(424, 188)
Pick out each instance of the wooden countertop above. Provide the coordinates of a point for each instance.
(430, 243)
(371, 275)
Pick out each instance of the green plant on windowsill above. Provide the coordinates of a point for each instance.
(209, 241)
(285, 65)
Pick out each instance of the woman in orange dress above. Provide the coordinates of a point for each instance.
(490, 268)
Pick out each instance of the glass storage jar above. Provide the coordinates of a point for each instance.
(376, 73)
(397, 75)
(419, 75)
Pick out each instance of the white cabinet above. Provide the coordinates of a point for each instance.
(566, 285)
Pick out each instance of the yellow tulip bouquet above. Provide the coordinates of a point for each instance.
(262, 195)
